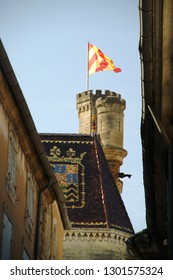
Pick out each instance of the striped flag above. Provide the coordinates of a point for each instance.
(97, 61)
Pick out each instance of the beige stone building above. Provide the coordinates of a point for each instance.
(87, 166)
(33, 215)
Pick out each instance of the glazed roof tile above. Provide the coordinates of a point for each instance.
(92, 198)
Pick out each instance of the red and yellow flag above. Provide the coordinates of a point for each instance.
(97, 61)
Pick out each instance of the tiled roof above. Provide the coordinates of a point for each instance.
(92, 198)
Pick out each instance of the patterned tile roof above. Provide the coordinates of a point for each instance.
(92, 198)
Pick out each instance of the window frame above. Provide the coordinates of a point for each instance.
(6, 238)
(12, 167)
(30, 199)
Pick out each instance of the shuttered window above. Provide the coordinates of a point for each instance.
(11, 173)
(6, 238)
(30, 203)
(25, 255)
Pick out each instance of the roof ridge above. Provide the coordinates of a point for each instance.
(101, 181)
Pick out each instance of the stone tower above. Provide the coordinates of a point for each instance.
(103, 114)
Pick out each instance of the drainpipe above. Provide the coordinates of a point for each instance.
(37, 235)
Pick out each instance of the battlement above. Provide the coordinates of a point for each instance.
(110, 99)
(90, 94)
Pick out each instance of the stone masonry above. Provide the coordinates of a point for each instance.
(103, 114)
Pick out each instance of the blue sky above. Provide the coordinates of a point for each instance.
(46, 41)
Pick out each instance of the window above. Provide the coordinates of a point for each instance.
(101, 126)
(6, 238)
(30, 203)
(11, 172)
(119, 125)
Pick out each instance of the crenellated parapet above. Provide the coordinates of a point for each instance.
(87, 98)
(97, 94)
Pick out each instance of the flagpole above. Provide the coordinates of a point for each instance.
(87, 69)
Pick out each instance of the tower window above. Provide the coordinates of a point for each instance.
(101, 126)
(119, 125)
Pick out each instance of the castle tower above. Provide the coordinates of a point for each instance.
(100, 225)
(103, 114)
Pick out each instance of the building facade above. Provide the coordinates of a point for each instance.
(32, 207)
